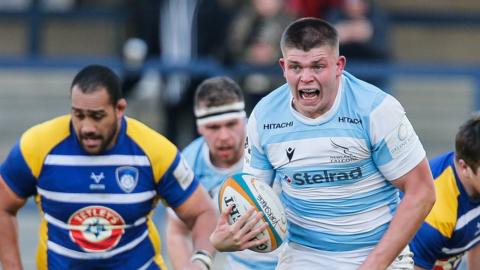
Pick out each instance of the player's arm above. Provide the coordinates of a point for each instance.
(199, 216)
(473, 258)
(10, 203)
(240, 235)
(417, 202)
(178, 240)
(416, 267)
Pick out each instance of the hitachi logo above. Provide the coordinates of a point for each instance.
(278, 125)
(325, 176)
(344, 119)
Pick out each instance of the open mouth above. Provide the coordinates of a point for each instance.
(309, 93)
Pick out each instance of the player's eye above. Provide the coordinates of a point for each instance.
(97, 116)
(232, 124)
(213, 127)
(295, 68)
(78, 115)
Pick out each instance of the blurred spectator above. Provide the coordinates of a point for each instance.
(363, 31)
(311, 8)
(144, 40)
(177, 31)
(253, 40)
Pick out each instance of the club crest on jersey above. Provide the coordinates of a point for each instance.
(96, 228)
(127, 178)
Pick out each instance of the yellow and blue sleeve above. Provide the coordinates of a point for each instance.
(24, 163)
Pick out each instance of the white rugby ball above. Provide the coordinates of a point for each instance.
(244, 191)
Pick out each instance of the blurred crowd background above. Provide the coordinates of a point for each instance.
(425, 53)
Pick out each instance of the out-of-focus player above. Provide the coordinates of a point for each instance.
(221, 120)
(453, 226)
(96, 176)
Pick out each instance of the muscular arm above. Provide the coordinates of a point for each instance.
(10, 203)
(177, 236)
(412, 210)
(199, 216)
(473, 258)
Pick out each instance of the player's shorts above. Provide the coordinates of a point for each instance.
(294, 256)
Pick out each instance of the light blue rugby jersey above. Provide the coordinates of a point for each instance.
(334, 170)
(211, 177)
(96, 209)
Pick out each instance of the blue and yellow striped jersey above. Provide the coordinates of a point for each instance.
(453, 225)
(96, 209)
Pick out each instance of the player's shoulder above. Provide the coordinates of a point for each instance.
(279, 97)
(42, 137)
(366, 97)
(194, 146)
(156, 146)
(38, 141)
(51, 129)
(274, 106)
(143, 134)
(444, 214)
(193, 149)
(440, 163)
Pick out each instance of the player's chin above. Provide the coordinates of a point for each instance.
(93, 150)
(225, 154)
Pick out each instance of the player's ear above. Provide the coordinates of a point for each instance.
(341, 61)
(463, 168)
(120, 107)
(281, 62)
(200, 130)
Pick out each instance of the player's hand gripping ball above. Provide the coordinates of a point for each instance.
(244, 191)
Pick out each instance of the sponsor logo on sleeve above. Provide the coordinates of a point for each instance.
(401, 139)
(183, 174)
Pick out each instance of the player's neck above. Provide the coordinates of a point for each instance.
(465, 180)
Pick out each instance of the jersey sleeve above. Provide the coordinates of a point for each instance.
(396, 148)
(426, 246)
(256, 162)
(178, 183)
(17, 174)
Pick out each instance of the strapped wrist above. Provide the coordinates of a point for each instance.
(204, 257)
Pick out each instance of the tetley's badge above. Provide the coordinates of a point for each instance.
(127, 178)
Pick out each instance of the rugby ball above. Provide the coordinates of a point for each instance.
(244, 191)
